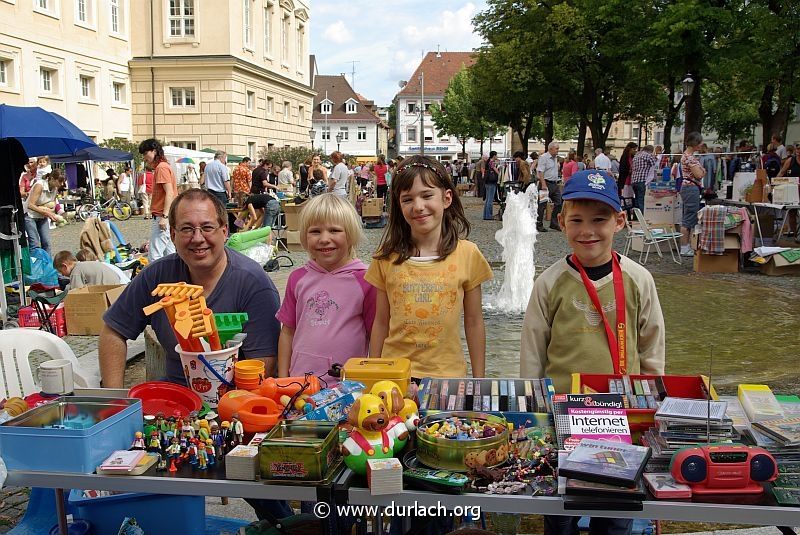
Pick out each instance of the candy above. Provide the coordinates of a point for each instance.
(456, 428)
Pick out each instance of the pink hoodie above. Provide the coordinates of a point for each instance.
(332, 314)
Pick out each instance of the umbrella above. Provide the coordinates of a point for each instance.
(185, 159)
(41, 132)
(98, 154)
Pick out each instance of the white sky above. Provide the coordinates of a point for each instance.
(388, 38)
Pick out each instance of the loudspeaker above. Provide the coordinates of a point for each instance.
(762, 468)
(694, 468)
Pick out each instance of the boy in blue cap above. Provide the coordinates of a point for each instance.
(594, 311)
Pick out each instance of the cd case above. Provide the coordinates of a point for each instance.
(606, 462)
(663, 485)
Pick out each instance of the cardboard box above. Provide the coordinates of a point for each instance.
(778, 266)
(730, 241)
(85, 307)
(292, 236)
(372, 207)
(725, 263)
(658, 210)
(462, 189)
(292, 214)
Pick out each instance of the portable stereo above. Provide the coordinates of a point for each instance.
(723, 468)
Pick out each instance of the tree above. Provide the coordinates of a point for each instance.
(121, 143)
(459, 114)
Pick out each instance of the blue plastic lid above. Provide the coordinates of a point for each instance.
(76, 527)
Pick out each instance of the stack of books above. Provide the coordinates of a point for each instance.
(683, 422)
(242, 463)
(384, 476)
(603, 474)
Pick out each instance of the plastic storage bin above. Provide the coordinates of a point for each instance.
(42, 439)
(157, 514)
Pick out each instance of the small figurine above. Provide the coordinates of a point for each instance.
(237, 428)
(161, 463)
(204, 431)
(174, 454)
(187, 431)
(172, 425)
(228, 438)
(149, 425)
(216, 437)
(211, 453)
(369, 440)
(194, 422)
(155, 442)
(191, 452)
(138, 441)
(202, 457)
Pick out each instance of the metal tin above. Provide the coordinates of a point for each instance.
(299, 451)
(461, 455)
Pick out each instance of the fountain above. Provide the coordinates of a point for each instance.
(517, 236)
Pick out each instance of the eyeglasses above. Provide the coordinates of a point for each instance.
(206, 230)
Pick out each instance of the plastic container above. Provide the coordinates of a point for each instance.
(28, 317)
(257, 413)
(157, 514)
(300, 451)
(456, 455)
(166, 398)
(26, 444)
(371, 370)
(204, 381)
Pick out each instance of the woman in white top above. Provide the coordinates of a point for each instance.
(40, 209)
(192, 178)
(125, 184)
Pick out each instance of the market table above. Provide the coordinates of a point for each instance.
(760, 510)
(780, 208)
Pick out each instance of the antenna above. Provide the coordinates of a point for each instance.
(708, 396)
(438, 54)
(353, 73)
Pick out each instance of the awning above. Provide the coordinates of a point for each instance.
(232, 158)
(97, 154)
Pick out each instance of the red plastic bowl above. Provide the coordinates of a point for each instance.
(166, 398)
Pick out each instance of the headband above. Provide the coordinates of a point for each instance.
(419, 164)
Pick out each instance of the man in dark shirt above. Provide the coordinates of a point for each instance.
(260, 175)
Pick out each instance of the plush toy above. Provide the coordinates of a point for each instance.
(369, 440)
(409, 414)
(391, 396)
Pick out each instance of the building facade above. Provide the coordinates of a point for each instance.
(225, 75)
(69, 57)
(425, 87)
(341, 112)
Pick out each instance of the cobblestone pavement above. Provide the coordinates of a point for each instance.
(549, 248)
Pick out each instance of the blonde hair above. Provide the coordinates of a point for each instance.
(330, 208)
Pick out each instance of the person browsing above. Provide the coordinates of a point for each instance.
(584, 303)
(328, 309)
(218, 178)
(165, 188)
(426, 275)
(337, 182)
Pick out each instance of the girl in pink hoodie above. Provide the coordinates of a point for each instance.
(328, 309)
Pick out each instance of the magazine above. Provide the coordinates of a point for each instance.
(605, 462)
(595, 416)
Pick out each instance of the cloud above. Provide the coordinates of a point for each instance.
(388, 39)
(338, 33)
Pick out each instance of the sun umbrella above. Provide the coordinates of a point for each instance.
(41, 132)
(185, 159)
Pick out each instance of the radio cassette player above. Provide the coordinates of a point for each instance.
(723, 468)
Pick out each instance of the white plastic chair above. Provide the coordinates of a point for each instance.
(16, 376)
(655, 236)
(632, 233)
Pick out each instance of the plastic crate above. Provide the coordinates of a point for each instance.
(157, 514)
(28, 317)
(26, 444)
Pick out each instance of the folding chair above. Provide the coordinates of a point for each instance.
(655, 236)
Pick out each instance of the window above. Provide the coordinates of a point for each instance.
(270, 105)
(287, 108)
(412, 107)
(362, 133)
(627, 131)
(181, 18)
(251, 150)
(46, 7)
(82, 14)
(351, 107)
(4, 72)
(251, 101)
(326, 133)
(191, 145)
(8, 75)
(86, 86)
(301, 113)
(325, 107)
(635, 132)
(285, 27)
(411, 134)
(248, 24)
(428, 136)
(345, 131)
(182, 97)
(119, 92)
(116, 17)
(268, 30)
(299, 46)
(46, 80)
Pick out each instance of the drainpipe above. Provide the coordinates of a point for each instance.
(152, 71)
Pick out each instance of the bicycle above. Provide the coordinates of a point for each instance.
(120, 210)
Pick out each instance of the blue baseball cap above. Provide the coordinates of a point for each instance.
(592, 185)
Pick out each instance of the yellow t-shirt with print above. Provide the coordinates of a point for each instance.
(426, 300)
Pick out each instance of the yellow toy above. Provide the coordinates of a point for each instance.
(409, 414)
(391, 396)
(370, 439)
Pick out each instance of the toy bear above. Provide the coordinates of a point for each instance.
(391, 396)
(370, 439)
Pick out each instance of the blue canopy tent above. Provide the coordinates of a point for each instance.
(97, 154)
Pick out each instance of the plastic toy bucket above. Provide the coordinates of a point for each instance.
(209, 373)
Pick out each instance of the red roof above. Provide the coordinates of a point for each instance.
(339, 91)
(439, 68)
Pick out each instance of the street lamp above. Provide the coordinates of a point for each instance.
(338, 140)
(313, 135)
(688, 85)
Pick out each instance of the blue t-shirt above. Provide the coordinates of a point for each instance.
(243, 287)
(215, 175)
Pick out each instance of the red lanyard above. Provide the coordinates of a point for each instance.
(617, 345)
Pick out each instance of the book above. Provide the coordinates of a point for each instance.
(783, 430)
(142, 466)
(759, 403)
(122, 461)
(691, 409)
(662, 485)
(605, 462)
(384, 476)
(577, 487)
(595, 416)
